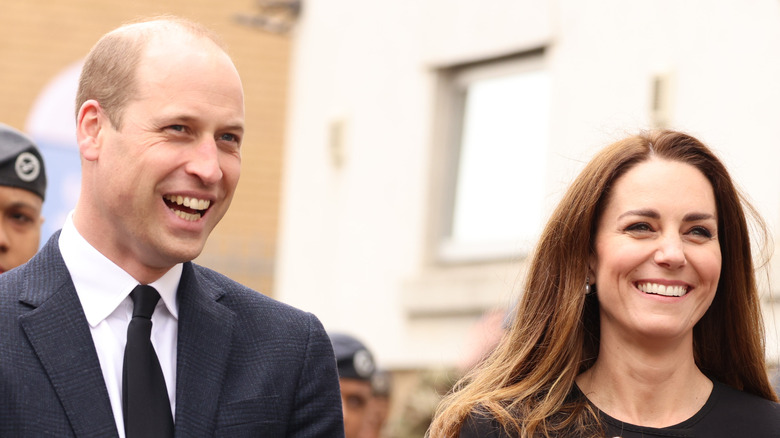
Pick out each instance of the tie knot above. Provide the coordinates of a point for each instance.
(144, 300)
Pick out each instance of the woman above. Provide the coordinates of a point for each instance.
(641, 314)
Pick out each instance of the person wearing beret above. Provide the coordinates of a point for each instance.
(379, 408)
(356, 369)
(22, 190)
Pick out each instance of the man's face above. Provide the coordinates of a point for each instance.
(163, 181)
(20, 226)
(355, 397)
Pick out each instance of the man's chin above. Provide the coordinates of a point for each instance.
(179, 251)
(185, 254)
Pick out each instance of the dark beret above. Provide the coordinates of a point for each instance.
(21, 164)
(353, 359)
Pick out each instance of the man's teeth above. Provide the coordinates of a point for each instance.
(193, 203)
(660, 289)
(186, 216)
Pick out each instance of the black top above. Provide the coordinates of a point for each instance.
(728, 413)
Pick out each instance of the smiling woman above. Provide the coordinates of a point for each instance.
(657, 257)
(641, 314)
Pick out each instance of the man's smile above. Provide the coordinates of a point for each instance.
(187, 208)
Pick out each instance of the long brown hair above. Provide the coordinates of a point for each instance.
(526, 381)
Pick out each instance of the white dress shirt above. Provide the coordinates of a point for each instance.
(104, 291)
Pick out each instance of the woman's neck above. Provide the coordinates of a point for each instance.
(653, 386)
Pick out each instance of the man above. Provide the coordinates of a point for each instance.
(22, 189)
(379, 407)
(356, 369)
(160, 121)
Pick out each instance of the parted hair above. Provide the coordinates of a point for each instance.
(109, 72)
(526, 382)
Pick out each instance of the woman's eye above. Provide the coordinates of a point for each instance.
(701, 231)
(639, 227)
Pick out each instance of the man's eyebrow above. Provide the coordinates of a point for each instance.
(189, 119)
(239, 128)
(21, 204)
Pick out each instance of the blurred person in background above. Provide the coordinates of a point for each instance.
(356, 369)
(22, 191)
(640, 314)
(379, 405)
(483, 337)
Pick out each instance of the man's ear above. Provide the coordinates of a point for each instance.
(89, 123)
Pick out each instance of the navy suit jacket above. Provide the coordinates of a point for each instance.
(247, 365)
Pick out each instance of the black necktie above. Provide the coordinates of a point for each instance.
(147, 410)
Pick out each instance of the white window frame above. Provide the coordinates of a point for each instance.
(453, 87)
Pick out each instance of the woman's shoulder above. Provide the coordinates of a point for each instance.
(732, 398)
(745, 413)
(480, 425)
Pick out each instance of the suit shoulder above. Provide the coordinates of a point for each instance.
(44, 269)
(246, 301)
(32, 281)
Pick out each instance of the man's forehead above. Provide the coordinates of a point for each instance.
(14, 197)
(175, 40)
(170, 63)
(190, 82)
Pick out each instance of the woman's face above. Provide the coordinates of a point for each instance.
(658, 259)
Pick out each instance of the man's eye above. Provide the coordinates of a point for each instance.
(229, 137)
(177, 128)
(355, 402)
(21, 218)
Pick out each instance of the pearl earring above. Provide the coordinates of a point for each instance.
(587, 285)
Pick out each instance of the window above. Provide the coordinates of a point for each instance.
(496, 141)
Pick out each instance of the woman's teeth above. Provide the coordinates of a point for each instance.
(660, 289)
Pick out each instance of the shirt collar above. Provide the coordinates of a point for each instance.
(100, 284)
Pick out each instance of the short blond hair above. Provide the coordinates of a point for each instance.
(109, 72)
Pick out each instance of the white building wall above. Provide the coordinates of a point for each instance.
(357, 198)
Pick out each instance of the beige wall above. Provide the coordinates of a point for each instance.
(372, 71)
(38, 39)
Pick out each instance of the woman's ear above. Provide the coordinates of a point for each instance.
(89, 123)
(592, 268)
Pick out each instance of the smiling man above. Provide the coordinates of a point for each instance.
(22, 189)
(111, 330)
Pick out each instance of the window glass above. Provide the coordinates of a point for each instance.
(499, 175)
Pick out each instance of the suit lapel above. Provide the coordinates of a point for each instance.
(204, 326)
(59, 333)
